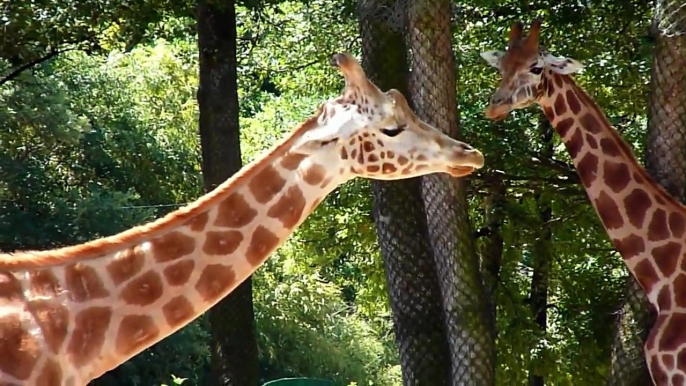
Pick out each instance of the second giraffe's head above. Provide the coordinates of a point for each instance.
(367, 133)
(522, 69)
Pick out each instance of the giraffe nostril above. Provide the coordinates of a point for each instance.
(466, 147)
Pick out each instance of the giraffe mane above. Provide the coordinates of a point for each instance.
(110, 244)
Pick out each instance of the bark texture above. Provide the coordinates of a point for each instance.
(233, 345)
(401, 224)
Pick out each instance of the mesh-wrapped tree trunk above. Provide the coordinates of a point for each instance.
(666, 162)
(401, 222)
(233, 344)
(466, 305)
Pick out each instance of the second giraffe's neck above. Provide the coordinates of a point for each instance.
(136, 296)
(646, 225)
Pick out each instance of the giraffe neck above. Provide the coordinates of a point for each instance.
(646, 225)
(97, 312)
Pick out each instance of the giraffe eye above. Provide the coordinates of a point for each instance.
(536, 70)
(393, 132)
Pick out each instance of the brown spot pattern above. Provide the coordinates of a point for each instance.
(668, 361)
(52, 319)
(390, 154)
(646, 275)
(314, 175)
(127, 264)
(177, 311)
(651, 341)
(609, 147)
(174, 245)
(353, 154)
(677, 224)
(588, 169)
(548, 111)
(215, 280)
(590, 122)
(657, 229)
(573, 102)
(135, 333)
(289, 208)
(43, 282)
(592, 142)
(616, 175)
(51, 374)
(234, 212)
(551, 89)
(575, 143)
(144, 290)
(630, 246)
(402, 160)
(222, 242)
(674, 334)
(179, 273)
(637, 204)
(83, 283)
(368, 146)
(664, 299)
(666, 257)
(563, 127)
(681, 360)
(197, 223)
(266, 184)
(608, 211)
(372, 158)
(389, 168)
(262, 242)
(344, 153)
(373, 168)
(90, 326)
(658, 376)
(20, 350)
(560, 105)
(679, 286)
(558, 81)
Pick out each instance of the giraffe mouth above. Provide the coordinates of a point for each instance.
(460, 171)
(497, 113)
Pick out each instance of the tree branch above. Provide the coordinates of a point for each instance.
(32, 63)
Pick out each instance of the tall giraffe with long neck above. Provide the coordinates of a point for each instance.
(69, 315)
(646, 225)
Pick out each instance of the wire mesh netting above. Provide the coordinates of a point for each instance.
(666, 162)
(424, 232)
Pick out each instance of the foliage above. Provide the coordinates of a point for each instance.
(94, 144)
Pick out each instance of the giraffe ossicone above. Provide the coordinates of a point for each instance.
(69, 315)
(646, 225)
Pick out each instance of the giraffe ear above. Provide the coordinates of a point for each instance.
(493, 58)
(562, 65)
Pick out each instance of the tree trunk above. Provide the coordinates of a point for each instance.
(466, 304)
(401, 223)
(542, 257)
(493, 245)
(233, 345)
(666, 162)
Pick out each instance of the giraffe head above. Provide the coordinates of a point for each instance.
(522, 69)
(368, 133)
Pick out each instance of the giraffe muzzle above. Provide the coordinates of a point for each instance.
(497, 112)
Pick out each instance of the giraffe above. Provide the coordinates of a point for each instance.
(646, 225)
(69, 315)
